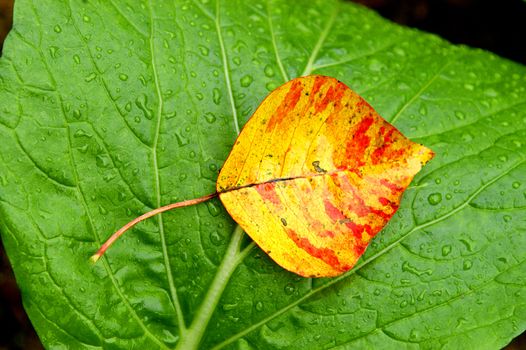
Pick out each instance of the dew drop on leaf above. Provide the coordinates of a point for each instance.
(90, 77)
(269, 71)
(216, 238)
(446, 250)
(516, 184)
(467, 264)
(246, 80)
(289, 289)
(216, 96)
(210, 117)
(259, 306)
(53, 50)
(121, 196)
(81, 133)
(57, 29)
(213, 209)
(204, 50)
(123, 77)
(434, 198)
(460, 115)
(102, 210)
(229, 307)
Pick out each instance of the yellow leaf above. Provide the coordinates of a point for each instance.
(315, 174)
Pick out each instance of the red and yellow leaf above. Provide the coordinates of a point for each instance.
(315, 174)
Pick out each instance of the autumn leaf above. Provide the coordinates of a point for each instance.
(315, 174)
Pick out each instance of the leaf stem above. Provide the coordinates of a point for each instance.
(233, 257)
(145, 216)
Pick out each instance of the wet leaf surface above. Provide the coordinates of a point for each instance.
(111, 109)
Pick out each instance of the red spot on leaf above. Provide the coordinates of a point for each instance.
(287, 104)
(325, 254)
(355, 148)
(267, 191)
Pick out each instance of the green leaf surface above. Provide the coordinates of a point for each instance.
(109, 109)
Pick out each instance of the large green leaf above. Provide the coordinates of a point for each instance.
(110, 109)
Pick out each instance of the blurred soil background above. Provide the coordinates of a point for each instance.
(497, 26)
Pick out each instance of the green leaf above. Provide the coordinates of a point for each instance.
(111, 109)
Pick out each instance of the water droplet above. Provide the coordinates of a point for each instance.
(213, 209)
(460, 115)
(269, 71)
(90, 77)
(184, 256)
(491, 92)
(199, 96)
(86, 18)
(182, 177)
(446, 250)
(423, 110)
(237, 60)
(228, 307)
(216, 97)
(77, 114)
(448, 196)
(76, 58)
(57, 29)
(53, 50)
(212, 167)
(403, 304)
(216, 238)
(121, 196)
(438, 181)
(271, 86)
(102, 210)
(414, 335)
(103, 161)
(434, 198)
(377, 292)
(289, 288)
(506, 218)
(503, 158)
(204, 50)
(246, 80)
(81, 133)
(123, 77)
(516, 184)
(469, 87)
(141, 101)
(467, 264)
(259, 306)
(210, 117)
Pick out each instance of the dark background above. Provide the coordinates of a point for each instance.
(497, 26)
